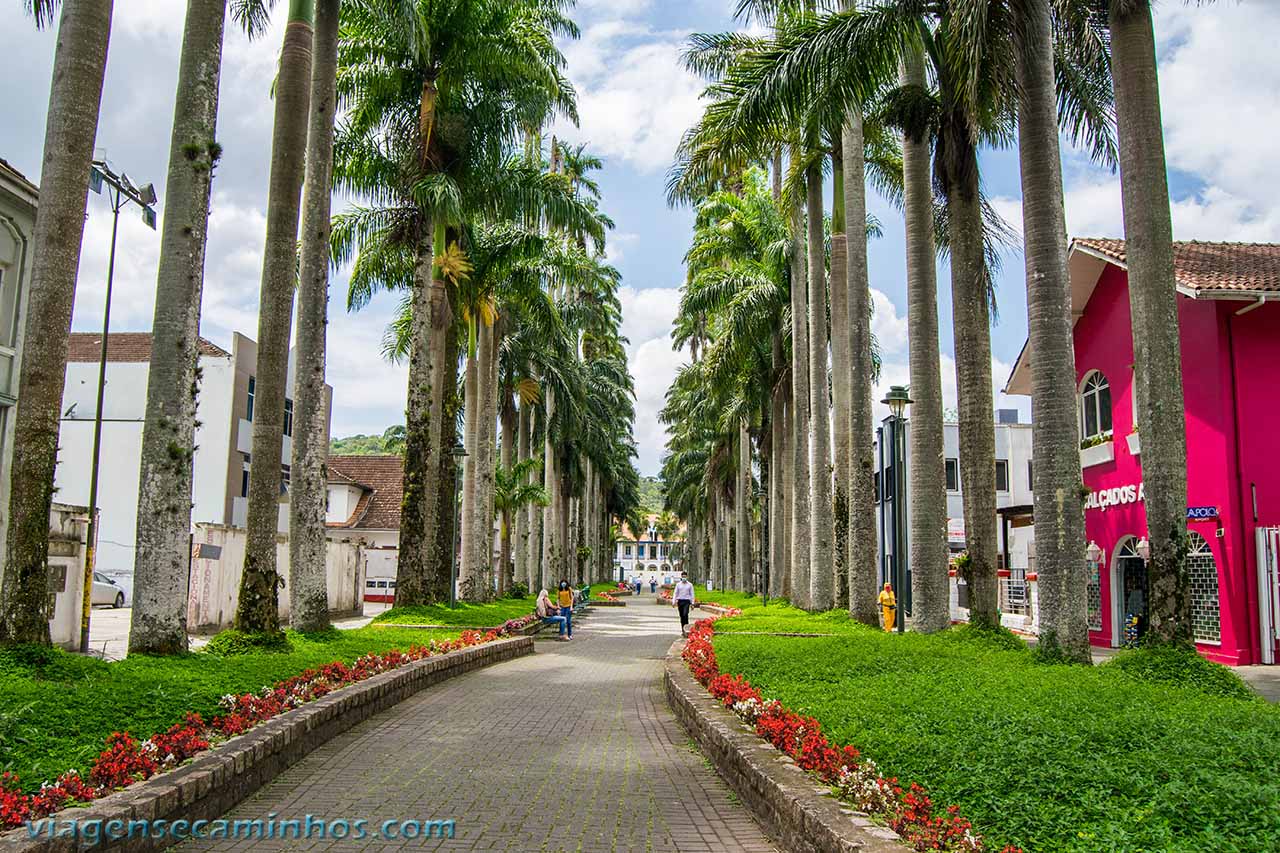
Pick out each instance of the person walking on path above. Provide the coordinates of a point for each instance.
(653, 584)
(684, 601)
(888, 605)
(547, 613)
(564, 597)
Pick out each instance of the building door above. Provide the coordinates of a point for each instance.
(1269, 592)
(1131, 571)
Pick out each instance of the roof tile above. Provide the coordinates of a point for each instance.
(1210, 267)
(124, 347)
(382, 478)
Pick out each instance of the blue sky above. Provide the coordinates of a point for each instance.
(1218, 78)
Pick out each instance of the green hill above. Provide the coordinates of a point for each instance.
(391, 441)
(651, 494)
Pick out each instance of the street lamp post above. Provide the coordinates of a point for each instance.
(897, 400)
(120, 191)
(459, 453)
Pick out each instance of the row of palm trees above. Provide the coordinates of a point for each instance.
(429, 115)
(900, 95)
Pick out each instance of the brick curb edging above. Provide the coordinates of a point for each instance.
(800, 813)
(214, 781)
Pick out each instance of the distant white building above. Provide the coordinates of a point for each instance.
(364, 497)
(223, 438)
(646, 553)
(1015, 534)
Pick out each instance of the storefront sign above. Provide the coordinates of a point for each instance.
(1114, 496)
(1198, 513)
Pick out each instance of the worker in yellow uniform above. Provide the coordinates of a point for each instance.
(888, 605)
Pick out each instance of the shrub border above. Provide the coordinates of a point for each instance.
(216, 780)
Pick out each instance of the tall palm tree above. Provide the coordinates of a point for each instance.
(308, 595)
(512, 492)
(160, 572)
(1153, 306)
(257, 609)
(71, 126)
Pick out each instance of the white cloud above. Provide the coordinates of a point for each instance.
(898, 372)
(647, 317)
(634, 97)
(889, 328)
(616, 249)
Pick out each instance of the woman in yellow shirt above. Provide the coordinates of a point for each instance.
(564, 597)
(888, 605)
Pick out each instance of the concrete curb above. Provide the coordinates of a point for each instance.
(801, 814)
(214, 781)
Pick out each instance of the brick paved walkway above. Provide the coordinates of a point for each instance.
(572, 749)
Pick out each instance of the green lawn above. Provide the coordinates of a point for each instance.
(1048, 757)
(489, 615)
(57, 708)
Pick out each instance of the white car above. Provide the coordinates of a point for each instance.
(107, 591)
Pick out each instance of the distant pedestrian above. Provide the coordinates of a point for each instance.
(888, 605)
(653, 584)
(684, 601)
(637, 580)
(564, 597)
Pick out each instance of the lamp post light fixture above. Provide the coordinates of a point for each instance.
(120, 191)
(1144, 549)
(458, 453)
(1093, 553)
(897, 399)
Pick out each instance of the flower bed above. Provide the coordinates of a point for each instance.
(126, 760)
(855, 779)
(513, 625)
(605, 596)
(664, 596)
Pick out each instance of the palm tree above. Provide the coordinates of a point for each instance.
(1153, 306)
(513, 492)
(257, 608)
(308, 595)
(160, 571)
(79, 62)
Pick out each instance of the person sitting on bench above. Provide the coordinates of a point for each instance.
(547, 613)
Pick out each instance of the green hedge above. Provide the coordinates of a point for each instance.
(1048, 757)
(57, 708)
(489, 615)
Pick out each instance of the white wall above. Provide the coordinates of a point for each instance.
(68, 528)
(342, 502)
(213, 440)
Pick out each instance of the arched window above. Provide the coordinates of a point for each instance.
(1202, 571)
(1095, 406)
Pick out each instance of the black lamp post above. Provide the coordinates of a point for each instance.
(120, 191)
(458, 453)
(897, 400)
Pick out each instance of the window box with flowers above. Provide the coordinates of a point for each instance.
(1096, 450)
(1135, 446)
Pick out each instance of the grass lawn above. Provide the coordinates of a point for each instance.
(1048, 757)
(489, 615)
(57, 708)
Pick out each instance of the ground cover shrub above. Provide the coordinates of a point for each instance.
(490, 614)
(57, 708)
(231, 642)
(1047, 758)
(1180, 667)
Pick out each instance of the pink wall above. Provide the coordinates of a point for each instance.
(1213, 392)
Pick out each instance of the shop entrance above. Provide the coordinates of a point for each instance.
(1269, 592)
(1129, 594)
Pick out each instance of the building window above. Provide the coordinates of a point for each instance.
(1095, 406)
(288, 417)
(1002, 475)
(284, 479)
(244, 476)
(640, 551)
(626, 550)
(1202, 571)
(875, 486)
(249, 401)
(1031, 480)
(953, 475)
(887, 480)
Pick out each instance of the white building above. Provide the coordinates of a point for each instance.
(364, 497)
(223, 438)
(1015, 535)
(647, 553)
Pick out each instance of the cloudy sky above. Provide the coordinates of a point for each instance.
(1218, 78)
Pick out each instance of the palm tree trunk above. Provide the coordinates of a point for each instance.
(1058, 511)
(523, 513)
(537, 516)
(789, 489)
(308, 593)
(70, 129)
(841, 383)
(163, 546)
(742, 521)
(1153, 306)
(427, 462)
(821, 567)
(257, 610)
(971, 321)
(800, 534)
(552, 549)
(469, 571)
(930, 584)
(861, 560)
(777, 475)
(489, 452)
(507, 573)
(441, 551)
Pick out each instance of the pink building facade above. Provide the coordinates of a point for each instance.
(1229, 311)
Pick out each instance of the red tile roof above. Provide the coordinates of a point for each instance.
(124, 346)
(1221, 268)
(382, 479)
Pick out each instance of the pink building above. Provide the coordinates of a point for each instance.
(1229, 310)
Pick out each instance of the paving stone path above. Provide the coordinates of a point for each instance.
(570, 749)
